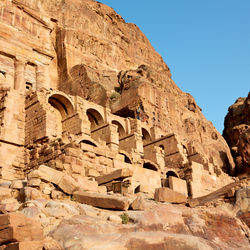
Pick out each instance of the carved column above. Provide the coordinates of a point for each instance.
(19, 83)
(42, 77)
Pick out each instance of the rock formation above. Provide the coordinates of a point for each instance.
(94, 45)
(237, 134)
(92, 125)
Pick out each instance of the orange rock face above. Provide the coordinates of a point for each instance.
(237, 134)
(105, 60)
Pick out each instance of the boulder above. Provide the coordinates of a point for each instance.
(139, 203)
(168, 195)
(60, 209)
(116, 174)
(102, 200)
(115, 218)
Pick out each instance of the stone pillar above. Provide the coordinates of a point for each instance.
(135, 126)
(113, 137)
(19, 83)
(42, 76)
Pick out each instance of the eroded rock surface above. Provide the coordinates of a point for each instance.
(105, 60)
(163, 226)
(237, 134)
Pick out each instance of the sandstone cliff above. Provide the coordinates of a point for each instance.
(98, 53)
(237, 133)
(95, 134)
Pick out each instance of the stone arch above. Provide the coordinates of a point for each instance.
(126, 158)
(95, 118)
(171, 173)
(168, 174)
(62, 104)
(121, 129)
(62, 109)
(150, 166)
(88, 142)
(146, 137)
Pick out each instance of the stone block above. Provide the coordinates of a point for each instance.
(168, 195)
(148, 180)
(5, 184)
(9, 205)
(73, 152)
(50, 175)
(120, 157)
(139, 203)
(83, 183)
(32, 194)
(92, 173)
(68, 184)
(78, 169)
(5, 193)
(120, 164)
(86, 147)
(102, 201)
(58, 195)
(117, 174)
(34, 182)
(102, 189)
(47, 189)
(18, 184)
(34, 174)
(16, 227)
(178, 185)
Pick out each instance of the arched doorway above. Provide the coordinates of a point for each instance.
(168, 174)
(95, 118)
(171, 173)
(126, 158)
(150, 166)
(146, 138)
(121, 129)
(62, 109)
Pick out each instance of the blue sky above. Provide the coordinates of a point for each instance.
(206, 44)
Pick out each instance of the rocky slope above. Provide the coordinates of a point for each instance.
(237, 134)
(98, 53)
(32, 221)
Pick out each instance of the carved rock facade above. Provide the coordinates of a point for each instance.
(86, 94)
